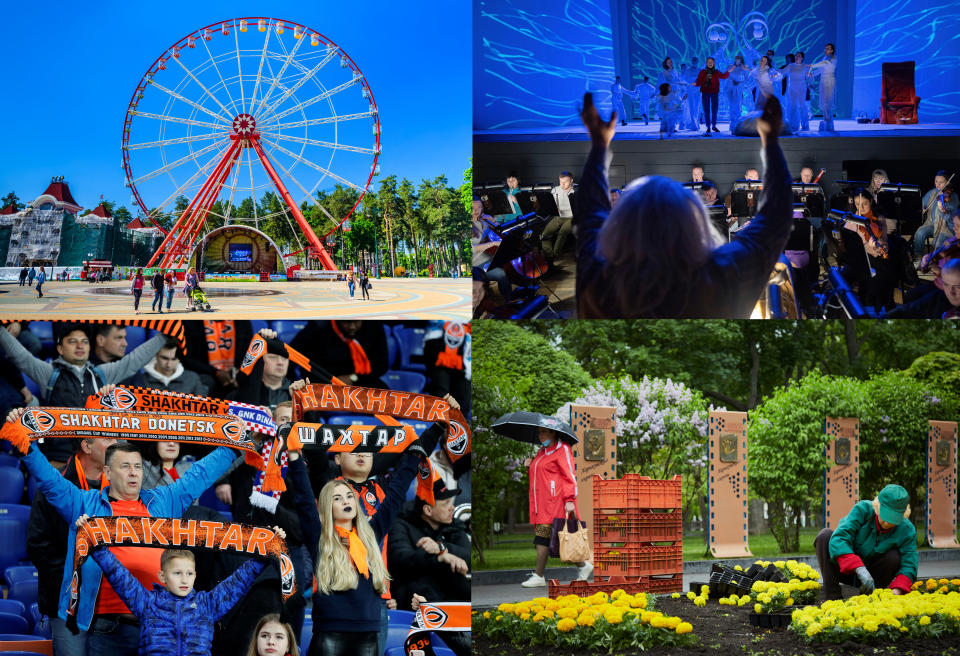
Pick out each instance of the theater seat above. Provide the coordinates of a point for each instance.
(405, 381)
(7, 460)
(400, 617)
(392, 348)
(898, 95)
(35, 617)
(11, 485)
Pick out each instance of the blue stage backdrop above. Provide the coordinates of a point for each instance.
(533, 60)
(921, 30)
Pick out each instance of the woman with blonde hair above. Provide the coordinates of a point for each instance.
(656, 254)
(273, 637)
(345, 545)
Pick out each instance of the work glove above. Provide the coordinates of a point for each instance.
(866, 581)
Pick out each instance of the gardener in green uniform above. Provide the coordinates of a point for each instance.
(874, 546)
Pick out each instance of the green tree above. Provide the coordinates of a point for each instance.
(11, 200)
(786, 444)
(514, 370)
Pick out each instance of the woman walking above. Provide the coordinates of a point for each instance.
(41, 278)
(351, 283)
(190, 282)
(365, 284)
(137, 288)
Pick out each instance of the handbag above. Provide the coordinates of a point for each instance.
(563, 526)
(575, 544)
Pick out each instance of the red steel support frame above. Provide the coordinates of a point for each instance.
(311, 236)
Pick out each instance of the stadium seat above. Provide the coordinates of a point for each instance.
(396, 635)
(287, 330)
(22, 583)
(31, 488)
(33, 387)
(13, 606)
(7, 460)
(306, 633)
(35, 617)
(10, 623)
(400, 617)
(13, 534)
(410, 342)
(135, 337)
(11, 485)
(361, 420)
(405, 381)
(391, 346)
(210, 500)
(44, 332)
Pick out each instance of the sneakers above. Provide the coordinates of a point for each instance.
(583, 573)
(536, 581)
(716, 129)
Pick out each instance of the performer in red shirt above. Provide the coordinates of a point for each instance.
(709, 82)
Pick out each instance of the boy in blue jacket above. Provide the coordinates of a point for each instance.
(174, 618)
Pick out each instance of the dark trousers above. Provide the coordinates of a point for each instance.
(109, 637)
(157, 299)
(882, 567)
(136, 298)
(711, 104)
(336, 643)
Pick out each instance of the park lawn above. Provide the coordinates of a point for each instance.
(521, 555)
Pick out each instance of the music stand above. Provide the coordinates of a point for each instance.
(801, 237)
(811, 195)
(842, 201)
(539, 200)
(745, 197)
(856, 263)
(902, 203)
(718, 216)
(693, 186)
(494, 200)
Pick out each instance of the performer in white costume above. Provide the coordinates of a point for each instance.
(826, 69)
(616, 95)
(796, 73)
(642, 93)
(764, 77)
(669, 75)
(736, 86)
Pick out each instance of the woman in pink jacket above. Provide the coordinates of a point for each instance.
(553, 495)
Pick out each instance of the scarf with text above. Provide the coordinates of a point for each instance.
(361, 363)
(221, 343)
(435, 616)
(356, 549)
(177, 533)
(405, 405)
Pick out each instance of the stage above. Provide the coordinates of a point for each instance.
(910, 153)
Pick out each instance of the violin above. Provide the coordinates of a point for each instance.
(933, 261)
(873, 232)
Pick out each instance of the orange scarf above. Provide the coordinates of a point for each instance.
(358, 552)
(454, 336)
(221, 343)
(361, 364)
(82, 477)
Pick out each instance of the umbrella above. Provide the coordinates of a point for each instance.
(522, 426)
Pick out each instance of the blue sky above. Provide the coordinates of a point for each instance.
(75, 65)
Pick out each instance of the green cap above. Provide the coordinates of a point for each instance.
(893, 503)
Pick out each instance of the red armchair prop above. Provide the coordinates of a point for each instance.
(898, 97)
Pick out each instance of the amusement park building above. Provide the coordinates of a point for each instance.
(51, 231)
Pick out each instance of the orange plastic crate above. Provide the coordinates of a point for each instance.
(635, 491)
(633, 526)
(634, 561)
(630, 585)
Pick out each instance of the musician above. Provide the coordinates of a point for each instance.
(485, 242)
(936, 303)
(878, 290)
(708, 192)
(555, 235)
(751, 174)
(806, 175)
(937, 217)
(512, 190)
(614, 196)
(878, 178)
(657, 253)
(696, 173)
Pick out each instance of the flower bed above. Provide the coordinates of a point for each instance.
(600, 621)
(880, 616)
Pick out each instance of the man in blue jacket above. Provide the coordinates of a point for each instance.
(113, 630)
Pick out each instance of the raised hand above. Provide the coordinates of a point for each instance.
(601, 132)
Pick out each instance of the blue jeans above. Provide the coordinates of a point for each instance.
(925, 231)
(169, 298)
(108, 637)
(64, 642)
(384, 628)
(350, 286)
(710, 105)
(157, 300)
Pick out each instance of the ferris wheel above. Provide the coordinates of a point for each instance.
(247, 119)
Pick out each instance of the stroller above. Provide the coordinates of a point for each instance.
(199, 298)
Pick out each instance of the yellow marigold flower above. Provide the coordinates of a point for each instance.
(813, 629)
(499, 617)
(539, 617)
(613, 616)
(585, 619)
(671, 622)
(924, 620)
(931, 584)
(736, 567)
(691, 595)
(870, 626)
(700, 602)
(757, 608)
(954, 581)
(944, 581)
(567, 613)
(704, 589)
(684, 627)
(789, 601)
(675, 595)
(507, 608)
(640, 601)
(566, 625)
(486, 614)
